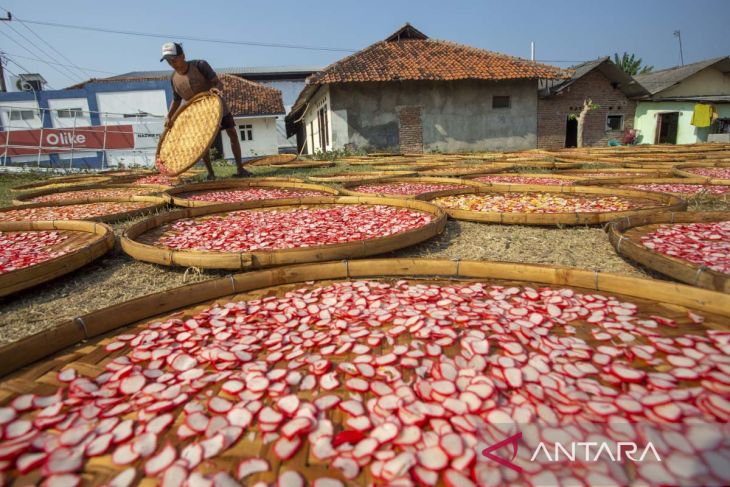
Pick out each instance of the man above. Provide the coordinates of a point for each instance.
(191, 78)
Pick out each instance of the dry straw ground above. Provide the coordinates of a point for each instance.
(116, 278)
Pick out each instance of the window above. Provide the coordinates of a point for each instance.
(615, 122)
(22, 115)
(500, 102)
(246, 131)
(70, 113)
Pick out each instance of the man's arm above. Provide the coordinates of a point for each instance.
(217, 86)
(211, 75)
(176, 100)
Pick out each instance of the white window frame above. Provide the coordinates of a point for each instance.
(245, 129)
(73, 112)
(22, 115)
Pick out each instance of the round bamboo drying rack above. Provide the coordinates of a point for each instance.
(126, 172)
(462, 171)
(302, 164)
(150, 189)
(259, 259)
(273, 160)
(681, 170)
(663, 203)
(174, 195)
(358, 176)
(69, 181)
(95, 330)
(561, 177)
(411, 167)
(625, 236)
(586, 174)
(193, 130)
(88, 241)
(456, 182)
(621, 182)
(155, 203)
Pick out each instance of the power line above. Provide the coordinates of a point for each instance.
(59, 64)
(31, 52)
(35, 46)
(81, 70)
(188, 38)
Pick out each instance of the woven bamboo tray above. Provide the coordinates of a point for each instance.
(659, 202)
(349, 188)
(625, 236)
(90, 359)
(411, 167)
(71, 196)
(609, 173)
(70, 181)
(347, 177)
(560, 177)
(273, 160)
(88, 241)
(462, 171)
(626, 182)
(382, 161)
(153, 203)
(178, 196)
(134, 237)
(684, 170)
(194, 128)
(301, 164)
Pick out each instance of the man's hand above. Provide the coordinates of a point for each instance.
(216, 91)
(168, 122)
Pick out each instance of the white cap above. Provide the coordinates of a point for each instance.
(171, 49)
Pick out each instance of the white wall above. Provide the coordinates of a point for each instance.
(265, 141)
(709, 81)
(34, 123)
(311, 121)
(83, 121)
(117, 103)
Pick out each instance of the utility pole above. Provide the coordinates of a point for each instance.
(678, 35)
(3, 88)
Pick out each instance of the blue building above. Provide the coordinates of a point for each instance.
(116, 121)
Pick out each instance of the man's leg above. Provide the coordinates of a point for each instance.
(236, 148)
(208, 165)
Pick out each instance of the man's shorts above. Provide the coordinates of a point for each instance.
(227, 121)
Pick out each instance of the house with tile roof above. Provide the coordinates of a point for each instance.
(120, 119)
(607, 85)
(409, 93)
(665, 114)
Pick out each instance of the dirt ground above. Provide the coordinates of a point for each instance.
(116, 277)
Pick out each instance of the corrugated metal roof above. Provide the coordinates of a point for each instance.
(658, 81)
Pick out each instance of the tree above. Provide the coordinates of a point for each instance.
(630, 64)
(588, 105)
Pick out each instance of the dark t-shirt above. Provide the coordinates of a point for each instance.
(202, 66)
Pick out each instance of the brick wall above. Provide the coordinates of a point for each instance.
(410, 129)
(553, 111)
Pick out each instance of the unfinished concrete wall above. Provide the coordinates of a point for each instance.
(456, 116)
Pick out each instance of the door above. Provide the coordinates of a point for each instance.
(410, 129)
(571, 132)
(666, 128)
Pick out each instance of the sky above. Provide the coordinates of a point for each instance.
(565, 32)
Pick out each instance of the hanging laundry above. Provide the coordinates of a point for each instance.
(702, 116)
